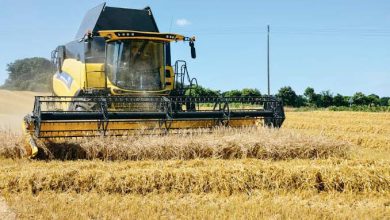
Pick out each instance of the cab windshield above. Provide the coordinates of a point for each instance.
(136, 64)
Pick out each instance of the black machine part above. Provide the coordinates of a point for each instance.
(104, 109)
(103, 17)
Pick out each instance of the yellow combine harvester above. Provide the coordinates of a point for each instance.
(116, 77)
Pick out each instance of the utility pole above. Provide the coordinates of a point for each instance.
(269, 93)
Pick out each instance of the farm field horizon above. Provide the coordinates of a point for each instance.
(321, 164)
(195, 110)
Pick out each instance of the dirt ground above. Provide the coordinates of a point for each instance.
(14, 105)
(5, 212)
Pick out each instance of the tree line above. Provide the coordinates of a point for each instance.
(309, 98)
(31, 74)
(326, 99)
(34, 74)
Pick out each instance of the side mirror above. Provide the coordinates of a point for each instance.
(88, 46)
(59, 57)
(193, 51)
(88, 37)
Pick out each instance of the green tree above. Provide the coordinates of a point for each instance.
(250, 92)
(384, 101)
(326, 98)
(200, 91)
(373, 100)
(29, 74)
(232, 93)
(349, 100)
(311, 96)
(288, 95)
(359, 99)
(300, 101)
(340, 100)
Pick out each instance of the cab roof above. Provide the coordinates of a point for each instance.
(102, 18)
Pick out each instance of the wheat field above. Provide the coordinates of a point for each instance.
(219, 143)
(320, 165)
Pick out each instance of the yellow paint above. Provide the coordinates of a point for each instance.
(91, 75)
(30, 144)
(52, 129)
(111, 36)
(83, 76)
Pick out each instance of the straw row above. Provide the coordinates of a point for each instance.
(197, 176)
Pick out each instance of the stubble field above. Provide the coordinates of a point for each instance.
(327, 165)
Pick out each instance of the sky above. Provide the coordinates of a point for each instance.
(337, 45)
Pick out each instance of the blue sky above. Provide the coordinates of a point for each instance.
(337, 45)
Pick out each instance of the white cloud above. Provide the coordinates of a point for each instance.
(182, 22)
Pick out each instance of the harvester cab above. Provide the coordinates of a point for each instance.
(117, 52)
(116, 78)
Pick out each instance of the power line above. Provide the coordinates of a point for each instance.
(320, 31)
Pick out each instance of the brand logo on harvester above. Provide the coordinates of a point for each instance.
(65, 77)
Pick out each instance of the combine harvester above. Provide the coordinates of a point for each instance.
(117, 77)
